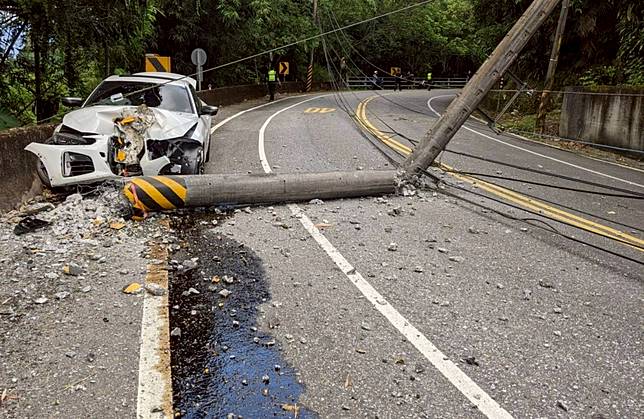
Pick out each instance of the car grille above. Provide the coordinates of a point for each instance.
(80, 164)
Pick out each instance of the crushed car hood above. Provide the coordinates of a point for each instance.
(100, 120)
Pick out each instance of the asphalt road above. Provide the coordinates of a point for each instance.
(542, 325)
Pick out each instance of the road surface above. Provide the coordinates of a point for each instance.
(419, 306)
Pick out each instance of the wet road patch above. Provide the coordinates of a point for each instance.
(222, 364)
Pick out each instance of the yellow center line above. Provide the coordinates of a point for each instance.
(504, 193)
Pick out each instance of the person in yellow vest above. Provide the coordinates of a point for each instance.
(429, 80)
(272, 80)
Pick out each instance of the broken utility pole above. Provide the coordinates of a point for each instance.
(158, 193)
(552, 67)
(309, 70)
(492, 69)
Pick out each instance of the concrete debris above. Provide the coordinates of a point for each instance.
(562, 405)
(188, 265)
(190, 291)
(396, 211)
(442, 250)
(155, 289)
(41, 300)
(316, 202)
(72, 269)
(473, 230)
(176, 332)
(61, 295)
(228, 279)
(225, 293)
(392, 247)
(36, 208)
(456, 258)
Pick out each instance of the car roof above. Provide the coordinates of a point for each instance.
(155, 77)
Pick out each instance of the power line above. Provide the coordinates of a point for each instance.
(554, 137)
(268, 51)
(549, 229)
(543, 172)
(547, 185)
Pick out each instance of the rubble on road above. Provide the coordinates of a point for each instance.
(61, 275)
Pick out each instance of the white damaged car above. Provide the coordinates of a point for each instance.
(142, 124)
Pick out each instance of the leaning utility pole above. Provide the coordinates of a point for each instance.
(552, 67)
(309, 71)
(488, 74)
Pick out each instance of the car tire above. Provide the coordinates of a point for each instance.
(195, 167)
(41, 170)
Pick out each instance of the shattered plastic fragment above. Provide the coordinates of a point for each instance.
(133, 288)
(117, 225)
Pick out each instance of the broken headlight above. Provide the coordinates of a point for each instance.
(67, 137)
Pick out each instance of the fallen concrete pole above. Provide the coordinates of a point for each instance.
(158, 193)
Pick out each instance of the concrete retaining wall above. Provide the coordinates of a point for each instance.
(18, 179)
(608, 119)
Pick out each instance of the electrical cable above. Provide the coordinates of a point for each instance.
(347, 54)
(567, 92)
(547, 185)
(268, 51)
(543, 172)
(549, 229)
(571, 140)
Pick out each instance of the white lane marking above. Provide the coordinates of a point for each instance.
(488, 406)
(429, 104)
(262, 130)
(230, 118)
(521, 137)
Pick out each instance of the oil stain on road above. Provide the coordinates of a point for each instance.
(222, 364)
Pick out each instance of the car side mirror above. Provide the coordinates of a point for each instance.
(72, 102)
(209, 110)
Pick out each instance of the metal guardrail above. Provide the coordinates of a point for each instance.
(416, 83)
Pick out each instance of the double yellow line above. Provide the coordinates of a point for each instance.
(506, 194)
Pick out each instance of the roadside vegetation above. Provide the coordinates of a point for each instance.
(51, 48)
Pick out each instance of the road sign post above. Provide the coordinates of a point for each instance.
(199, 57)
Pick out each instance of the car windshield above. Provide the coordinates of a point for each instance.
(121, 93)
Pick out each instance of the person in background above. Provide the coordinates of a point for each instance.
(397, 80)
(374, 80)
(429, 80)
(271, 80)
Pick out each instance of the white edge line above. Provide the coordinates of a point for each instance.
(230, 118)
(262, 130)
(476, 395)
(530, 140)
(429, 104)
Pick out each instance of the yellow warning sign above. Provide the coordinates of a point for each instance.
(394, 70)
(319, 110)
(284, 68)
(157, 63)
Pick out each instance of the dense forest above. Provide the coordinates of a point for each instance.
(51, 48)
